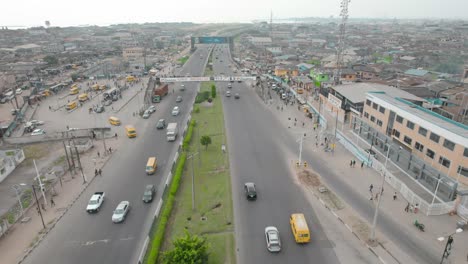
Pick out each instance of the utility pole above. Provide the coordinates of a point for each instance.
(193, 180)
(79, 162)
(104, 141)
(66, 155)
(40, 182)
(72, 160)
(38, 207)
(376, 213)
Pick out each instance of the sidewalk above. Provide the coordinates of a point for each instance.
(24, 237)
(360, 179)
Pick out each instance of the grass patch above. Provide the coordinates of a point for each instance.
(183, 59)
(35, 151)
(59, 161)
(213, 215)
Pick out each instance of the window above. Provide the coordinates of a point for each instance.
(382, 110)
(366, 115)
(430, 153)
(465, 153)
(407, 140)
(399, 119)
(449, 144)
(379, 122)
(374, 105)
(445, 162)
(434, 137)
(463, 171)
(422, 131)
(419, 146)
(410, 125)
(368, 102)
(396, 133)
(372, 118)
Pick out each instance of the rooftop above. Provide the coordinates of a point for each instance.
(416, 72)
(425, 114)
(356, 92)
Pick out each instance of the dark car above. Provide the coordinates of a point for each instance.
(99, 109)
(161, 124)
(250, 191)
(149, 193)
(237, 96)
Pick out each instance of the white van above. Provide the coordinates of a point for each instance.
(283, 96)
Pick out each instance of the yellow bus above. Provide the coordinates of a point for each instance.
(83, 97)
(74, 90)
(130, 131)
(299, 228)
(114, 121)
(71, 105)
(151, 165)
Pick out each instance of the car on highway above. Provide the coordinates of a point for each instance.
(182, 87)
(239, 81)
(178, 99)
(146, 114)
(37, 132)
(161, 124)
(237, 96)
(250, 191)
(95, 202)
(175, 111)
(229, 85)
(272, 238)
(148, 193)
(228, 94)
(121, 212)
(152, 109)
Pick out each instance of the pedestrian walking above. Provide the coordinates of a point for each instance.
(98, 154)
(96, 172)
(303, 124)
(110, 150)
(281, 108)
(371, 187)
(100, 172)
(52, 203)
(407, 207)
(351, 163)
(362, 164)
(326, 139)
(116, 135)
(354, 163)
(394, 196)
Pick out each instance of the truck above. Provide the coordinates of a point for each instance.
(95, 202)
(172, 131)
(159, 92)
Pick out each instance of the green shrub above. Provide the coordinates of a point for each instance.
(196, 110)
(188, 136)
(213, 91)
(202, 96)
(166, 212)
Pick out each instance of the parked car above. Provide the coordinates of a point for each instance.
(149, 193)
(146, 114)
(273, 240)
(175, 111)
(179, 99)
(37, 132)
(121, 212)
(36, 122)
(371, 153)
(19, 91)
(152, 109)
(99, 109)
(161, 124)
(237, 96)
(250, 191)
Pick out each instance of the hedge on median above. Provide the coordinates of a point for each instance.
(166, 213)
(188, 137)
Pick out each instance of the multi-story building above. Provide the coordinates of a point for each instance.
(439, 141)
(135, 53)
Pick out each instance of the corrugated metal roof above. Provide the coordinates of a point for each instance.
(356, 92)
(416, 72)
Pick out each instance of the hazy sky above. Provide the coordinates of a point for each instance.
(104, 12)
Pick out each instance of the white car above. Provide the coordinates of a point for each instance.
(152, 109)
(19, 91)
(175, 111)
(228, 94)
(146, 114)
(37, 132)
(121, 211)
(272, 239)
(36, 122)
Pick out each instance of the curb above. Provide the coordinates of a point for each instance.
(56, 220)
(355, 234)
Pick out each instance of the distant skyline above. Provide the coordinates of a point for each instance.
(28, 13)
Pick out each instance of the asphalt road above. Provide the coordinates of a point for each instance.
(80, 237)
(257, 156)
(257, 142)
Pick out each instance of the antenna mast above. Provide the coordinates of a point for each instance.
(341, 40)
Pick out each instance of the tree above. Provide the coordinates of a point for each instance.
(205, 141)
(187, 249)
(213, 91)
(51, 60)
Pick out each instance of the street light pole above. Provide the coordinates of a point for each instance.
(40, 182)
(193, 181)
(38, 207)
(376, 213)
(448, 245)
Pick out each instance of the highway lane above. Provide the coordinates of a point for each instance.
(93, 238)
(256, 156)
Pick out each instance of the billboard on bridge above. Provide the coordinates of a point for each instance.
(212, 40)
(212, 78)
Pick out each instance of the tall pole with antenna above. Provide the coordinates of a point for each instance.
(341, 40)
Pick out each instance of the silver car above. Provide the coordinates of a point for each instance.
(121, 211)
(146, 114)
(272, 239)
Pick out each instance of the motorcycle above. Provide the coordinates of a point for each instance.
(420, 226)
